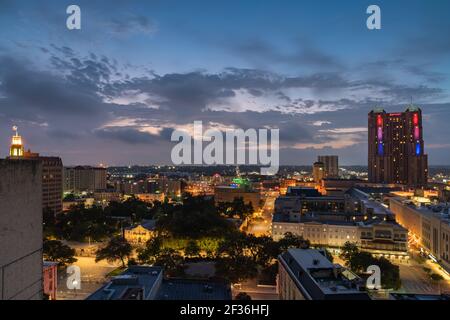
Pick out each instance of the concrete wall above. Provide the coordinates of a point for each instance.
(20, 229)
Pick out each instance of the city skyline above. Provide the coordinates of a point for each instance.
(86, 97)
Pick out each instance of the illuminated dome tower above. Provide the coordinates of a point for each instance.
(16, 149)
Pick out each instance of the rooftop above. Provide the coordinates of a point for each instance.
(134, 281)
(147, 283)
(320, 279)
(183, 289)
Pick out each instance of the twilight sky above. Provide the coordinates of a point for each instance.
(113, 91)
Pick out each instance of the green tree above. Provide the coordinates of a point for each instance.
(116, 249)
(292, 241)
(151, 250)
(359, 261)
(55, 250)
(236, 269)
(171, 261)
(192, 249)
(348, 251)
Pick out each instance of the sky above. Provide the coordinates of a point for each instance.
(114, 91)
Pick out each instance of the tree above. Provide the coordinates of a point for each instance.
(196, 218)
(54, 250)
(359, 261)
(236, 269)
(192, 249)
(292, 241)
(348, 251)
(151, 250)
(171, 261)
(243, 296)
(116, 249)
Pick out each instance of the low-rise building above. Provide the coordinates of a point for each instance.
(140, 234)
(306, 274)
(148, 283)
(50, 279)
(150, 197)
(429, 227)
(229, 193)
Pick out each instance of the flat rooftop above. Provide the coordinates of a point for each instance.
(133, 280)
(147, 283)
(321, 278)
(183, 289)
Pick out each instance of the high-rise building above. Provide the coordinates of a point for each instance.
(318, 172)
(396, 148)
(84, 178)
(331, 166)
(52, 173)
(21, 229)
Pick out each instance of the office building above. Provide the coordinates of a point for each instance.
(331, 166)
(306, 274)
(396, 148)
(333, 221)
(318, 172)
(429, 227)
(21, 229)
(229, 193)
(84, 179)
(52, 173)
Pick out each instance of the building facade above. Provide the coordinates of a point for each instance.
(140, 234)
(318, 172)
(228, 194)
(50, 279)
(21, 229)
(396, 148)
(52, 174)
(331, 166)
(84, 179)
(306, 274)
(429, 227)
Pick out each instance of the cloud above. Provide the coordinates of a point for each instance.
(320, 123)
(88, 100)
(304, 53)
(131, 24)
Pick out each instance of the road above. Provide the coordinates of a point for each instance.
(92, 277)
(416, 280)
(262, 225)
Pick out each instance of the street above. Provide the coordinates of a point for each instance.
(92, 277)
(262, 226)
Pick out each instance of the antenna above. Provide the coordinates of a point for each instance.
(16, 130)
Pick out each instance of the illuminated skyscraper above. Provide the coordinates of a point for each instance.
(52, 173)
(396, 148)
(16, 149)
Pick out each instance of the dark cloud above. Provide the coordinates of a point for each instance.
(81, 97)
(131, 135)
(304, 53)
